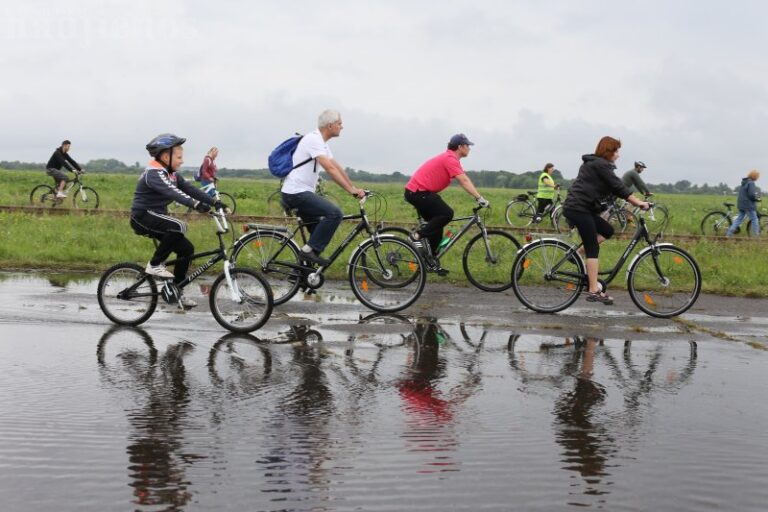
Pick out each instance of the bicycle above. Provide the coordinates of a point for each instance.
(620, 217)
(386, 273)
(227, 199)
(521, 212)
(717, 222)
(275, 199)
(663, 280)
(240, 298)
(82, 196)
(481, 261)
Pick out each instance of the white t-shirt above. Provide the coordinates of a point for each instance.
(304, 178)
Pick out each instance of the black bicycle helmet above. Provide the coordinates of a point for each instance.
(640, 164)
(162, 142)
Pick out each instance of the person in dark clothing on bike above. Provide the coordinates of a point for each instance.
(582, 207)
(747, 204)
(61, 158)
(632, 180)
(158, 186)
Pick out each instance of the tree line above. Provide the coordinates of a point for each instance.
(483, 178)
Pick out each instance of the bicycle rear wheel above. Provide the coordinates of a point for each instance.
(543, 280)
(664, 281)
(277, 260)
(386, 275)
(42, 196)
(716, 224)
(229, 201)
(488, 267)
(126, 295)
(519, 213)
(246, 305)
(85, 198)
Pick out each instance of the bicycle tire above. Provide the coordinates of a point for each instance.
(42, 196)
(254, 307)
(128, 310)
(660, 220)
(90, 201)
(617, 218)
(114, 335)
(519, 213)
(664, 296)
(716, 224)
(762, 222)
(239, 358)
(275, 204)
(394, 230)
(557, 219)
(483, 270)
(229, 201)
(535, 285)
(401, 289)
(262, 251)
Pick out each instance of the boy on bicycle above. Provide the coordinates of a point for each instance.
(158, 186)
(61, 158)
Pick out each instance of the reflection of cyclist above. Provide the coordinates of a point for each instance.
(422, 192)
(61, 158)
(208, 172)
(596, 180)
(545, 192)
(158, 186)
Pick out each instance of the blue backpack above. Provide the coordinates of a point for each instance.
(280, 160)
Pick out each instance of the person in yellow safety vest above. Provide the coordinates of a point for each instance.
(546, 190)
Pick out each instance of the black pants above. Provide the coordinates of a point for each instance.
(541, 204)
(435, 211)
(589, 226)
(170, 232)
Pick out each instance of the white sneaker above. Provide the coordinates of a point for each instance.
(187, 303)
(60, 195)
(158, 271)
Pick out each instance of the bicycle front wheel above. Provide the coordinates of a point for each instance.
(619, 219)
(544, 280)
(275, 204)
(275, 257)
(519, 213)
(715, 224)
(664, 281)
(229, 201)
(85, 198)
(386, 275)
(126, 295)
(488, 261)
(657, 218)
(244, 306)
(42, 196)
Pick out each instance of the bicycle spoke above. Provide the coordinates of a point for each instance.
(541, 288)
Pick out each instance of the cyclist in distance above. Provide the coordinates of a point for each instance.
(159, 185)
(582, 207)
(422, 191)
(633, 180)
(298, 190)
(545, 193)
(61, 158)
(208, 172)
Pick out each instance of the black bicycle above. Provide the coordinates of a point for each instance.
(522, 211)
(82, 196)
(240, 298)
(385, 272)
(663, 280)
(487, 257)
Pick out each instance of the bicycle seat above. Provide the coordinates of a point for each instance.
(531, 192)
(728, 204)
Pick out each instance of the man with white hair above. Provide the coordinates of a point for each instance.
(299, 185)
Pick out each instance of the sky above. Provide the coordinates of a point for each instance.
(683, 84)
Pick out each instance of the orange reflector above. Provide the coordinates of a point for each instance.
(412, 266)
(364, 285)
(526, 263)
(678, 260)
(648, 299)
(569, 286)
(257, 243)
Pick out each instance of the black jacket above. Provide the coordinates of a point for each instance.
(595, 181)
(157, 188)
(60, 159)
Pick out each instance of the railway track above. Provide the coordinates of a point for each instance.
(33, 210)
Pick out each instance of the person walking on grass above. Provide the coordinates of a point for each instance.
(61, 158)
(596, 179)
(749, 196)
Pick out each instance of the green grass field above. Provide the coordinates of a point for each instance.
(95, 242)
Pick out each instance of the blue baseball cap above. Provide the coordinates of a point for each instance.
(459, 139)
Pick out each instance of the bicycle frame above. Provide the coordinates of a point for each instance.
(473, 219)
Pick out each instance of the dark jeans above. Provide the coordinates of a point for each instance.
(541, 204)
(589, 226)
(435, 211)
(170, 232)
(325, 215)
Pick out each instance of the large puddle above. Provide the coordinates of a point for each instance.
(349, 411)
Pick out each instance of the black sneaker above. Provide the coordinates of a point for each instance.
(437, 269)
(313, 257)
